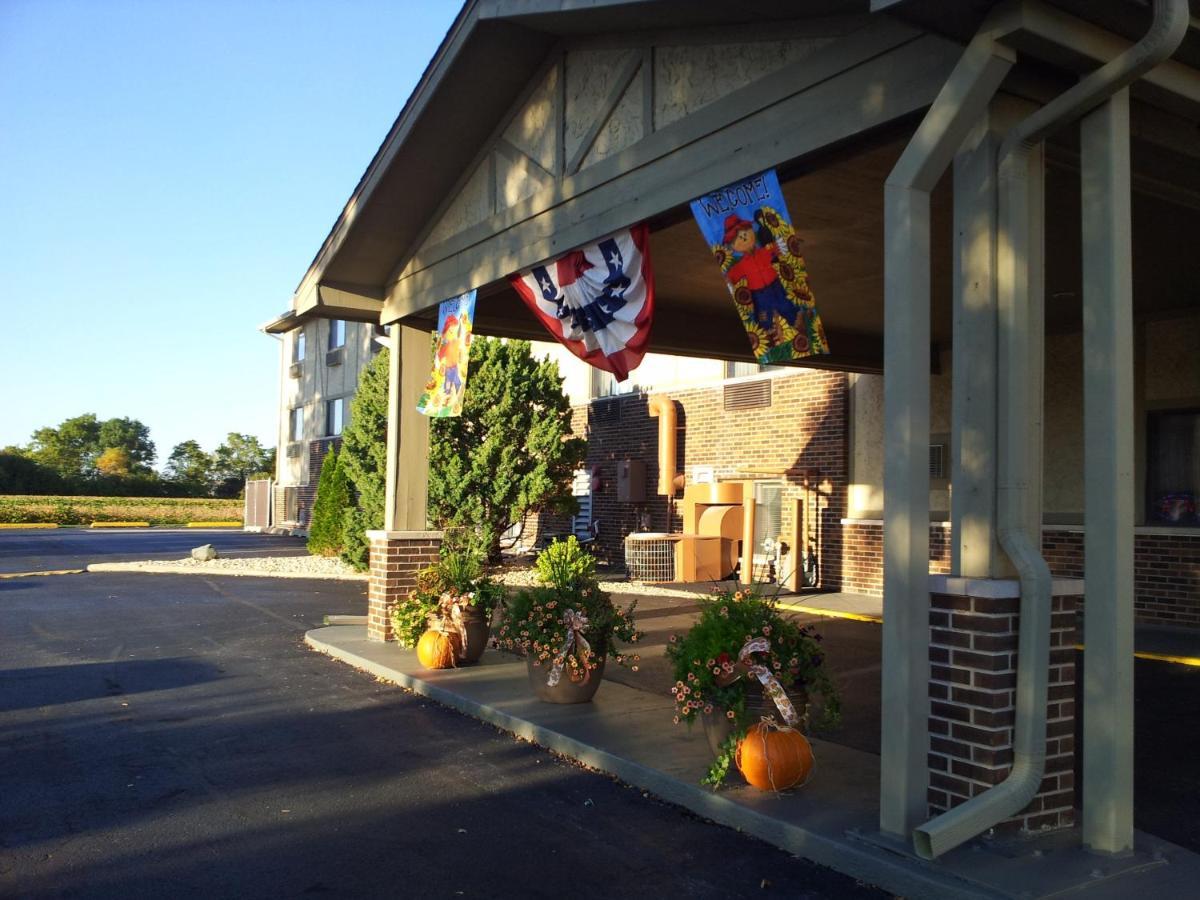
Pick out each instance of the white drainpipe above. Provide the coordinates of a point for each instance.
(1019, 501)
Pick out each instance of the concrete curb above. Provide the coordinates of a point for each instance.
(24, 525)
(845, 853)
(213, 525)
(151, 568)
(120, 525)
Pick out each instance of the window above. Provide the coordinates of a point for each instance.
(337, 334)
(335, 416)
(605, 384)
(296, 424)
(743, 369)
(298, 347)
(1173, 467)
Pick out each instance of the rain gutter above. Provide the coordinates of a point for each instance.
(1019, 498)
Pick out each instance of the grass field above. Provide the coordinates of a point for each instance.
(86, 510)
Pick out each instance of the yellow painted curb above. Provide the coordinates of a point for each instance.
(28, 525)
(120, 524)
(831, 613)
(213, 525)
(1161, 657)
(50, 572)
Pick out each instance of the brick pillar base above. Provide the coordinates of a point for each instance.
(972, 689)
(396, 557)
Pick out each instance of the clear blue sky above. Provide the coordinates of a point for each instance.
(168, 170)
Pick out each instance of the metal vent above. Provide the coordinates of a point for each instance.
(606, 410)
(748, 394)
(295, 449)
(937, 460)
(334, 357)
(295, 370)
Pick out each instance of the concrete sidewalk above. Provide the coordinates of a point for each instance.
(628, 733)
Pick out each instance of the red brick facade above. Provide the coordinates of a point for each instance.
(804, 427)
(1166, 566)
(395, 559)
(972, 704)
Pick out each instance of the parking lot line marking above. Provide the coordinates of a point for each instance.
(1160, 657)
(48, 572)
(831, 613)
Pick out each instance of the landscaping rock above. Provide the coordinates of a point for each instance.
(205, 553)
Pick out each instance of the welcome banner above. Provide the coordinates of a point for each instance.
(750, 233)
(443, 395)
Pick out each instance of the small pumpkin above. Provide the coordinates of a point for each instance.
(438, 649)
(773, 758)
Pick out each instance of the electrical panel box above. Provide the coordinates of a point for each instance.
(631, 481)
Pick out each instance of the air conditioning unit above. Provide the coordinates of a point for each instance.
(295, 449)
(334, 357)
(295, 369)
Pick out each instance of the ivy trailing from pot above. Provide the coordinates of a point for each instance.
(744, 661)
(566, 627)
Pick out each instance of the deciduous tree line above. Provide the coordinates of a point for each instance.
(86, 455)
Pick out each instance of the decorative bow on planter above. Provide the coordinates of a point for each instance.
(575, 643)
(771, 685)
(449, 617)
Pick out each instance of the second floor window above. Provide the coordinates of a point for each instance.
(296, 424)
(335, 413)
(298, 347)
(337, 334)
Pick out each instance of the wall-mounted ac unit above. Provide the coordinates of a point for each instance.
(295, 449)
(334, 357)
(295, 369)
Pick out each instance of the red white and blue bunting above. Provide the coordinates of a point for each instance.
(597, 301)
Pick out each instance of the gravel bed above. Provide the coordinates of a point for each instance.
(261, 566)
(612, 583)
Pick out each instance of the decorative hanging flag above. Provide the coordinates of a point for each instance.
(444, 392)
(597, 301)
(750, 233)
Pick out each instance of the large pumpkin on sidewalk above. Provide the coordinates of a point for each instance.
(438, 650)
(773, 758)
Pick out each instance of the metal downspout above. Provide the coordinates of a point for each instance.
(1019, 501)
(904, 778)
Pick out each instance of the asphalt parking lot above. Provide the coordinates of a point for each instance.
(166, 735)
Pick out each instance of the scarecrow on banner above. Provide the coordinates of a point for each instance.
(597, 301)
(443, 395)
(751, 236)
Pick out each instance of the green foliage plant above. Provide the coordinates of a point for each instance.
(710, 680)
(364, 458)
(333, 499)
(511, 452)
(458, 576)
(533, 621)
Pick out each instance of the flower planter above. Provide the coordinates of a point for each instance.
(566, 691)
(717, 725)
(478, 626)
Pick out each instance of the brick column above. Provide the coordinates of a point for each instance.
(972, 689)
(396, 557)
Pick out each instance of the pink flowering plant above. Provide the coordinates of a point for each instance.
(710, 678)
(537, 622)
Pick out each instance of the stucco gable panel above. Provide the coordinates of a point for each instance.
(533, 128)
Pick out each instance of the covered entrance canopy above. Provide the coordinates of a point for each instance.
(540, 127)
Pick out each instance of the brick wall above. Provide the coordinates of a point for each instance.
(972, 705)
(805, 427)
(1166, 566)
(395, 559)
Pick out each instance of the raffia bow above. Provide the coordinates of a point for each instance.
(449, 618)
(767, 678)
(575, 643)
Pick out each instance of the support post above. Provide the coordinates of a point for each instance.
(408, 431)
(1108, 471)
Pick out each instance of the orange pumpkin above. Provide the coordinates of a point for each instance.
(773, 758)
(438, 650)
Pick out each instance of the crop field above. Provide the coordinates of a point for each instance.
(16, 508)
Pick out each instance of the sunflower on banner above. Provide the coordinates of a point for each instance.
(750, 233)
(443, 396)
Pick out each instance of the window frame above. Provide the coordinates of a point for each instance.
(298, 346)
(338, 403)
(337, 334)
(296, 423)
